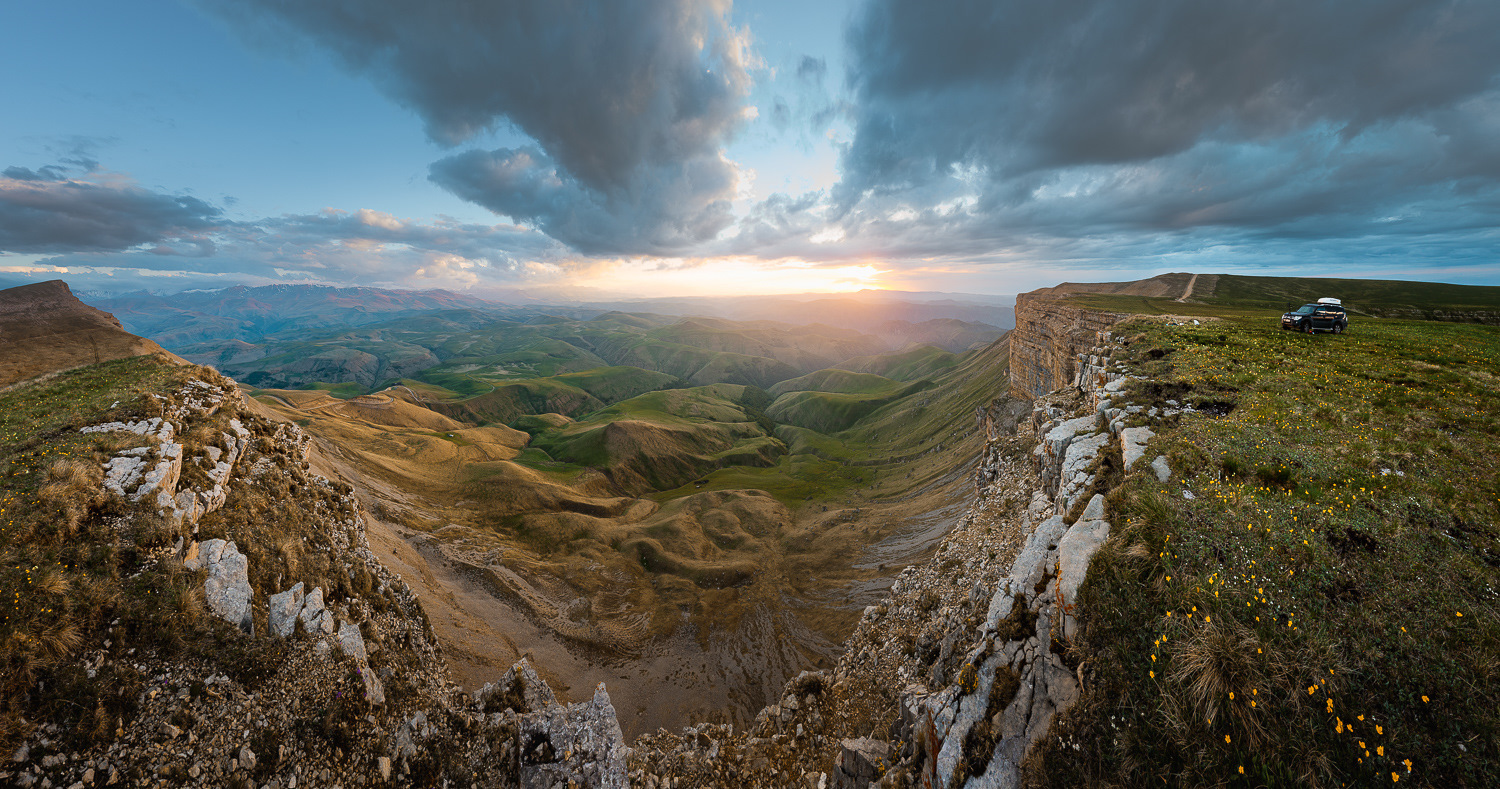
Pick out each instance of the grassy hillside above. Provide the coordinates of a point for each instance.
(507, 402)
(1311, 600)
(836, 380)
(662, 440)
(1224, 294)
(922, 361)
(832, 412)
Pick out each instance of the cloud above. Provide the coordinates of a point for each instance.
(107, 227)
(629, 102)
(49, 210)
(686, 203)
(1000, 125)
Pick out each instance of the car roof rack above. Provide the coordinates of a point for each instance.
(1334, 302)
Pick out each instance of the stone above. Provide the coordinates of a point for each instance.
(352, 643)
(383, 764)
(283, 611)
(580, 744)
(227, 588)
(860, 762)
(1095, 509)
(1162, 469)
(1056, 441)
(525, 686)
(247, 758)
(1133, 443)
(1074, 552)
(1031, 563)
(1073, 474)
(315, 617)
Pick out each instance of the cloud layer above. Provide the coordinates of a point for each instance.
(50, 210)
(994, 122)
(629, 102)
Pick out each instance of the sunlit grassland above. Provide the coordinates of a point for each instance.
(1312, 598)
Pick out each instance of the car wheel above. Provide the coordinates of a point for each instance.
(1338, 328)
(1307, 326)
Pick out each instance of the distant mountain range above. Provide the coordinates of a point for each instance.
(250, 315)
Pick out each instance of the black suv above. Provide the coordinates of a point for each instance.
(1326, 315)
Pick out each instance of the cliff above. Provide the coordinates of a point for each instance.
(1050, 336)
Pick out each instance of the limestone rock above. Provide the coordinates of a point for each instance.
(1073, 475)
(580, 744)
(1162, 469)
(284, 608)
(1133, 443)
(860, 762)
(352, 644)
(519, 689)
(1074, 552)
(227, 588)
(315, 618)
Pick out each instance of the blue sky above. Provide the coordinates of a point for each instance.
(665, 146)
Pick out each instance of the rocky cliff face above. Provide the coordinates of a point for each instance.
(1049, 337)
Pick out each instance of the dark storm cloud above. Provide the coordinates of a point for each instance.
(687, 205)
(978, 121)
(625, 98)
(46, 211)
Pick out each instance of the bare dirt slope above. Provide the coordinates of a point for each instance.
(44, 328)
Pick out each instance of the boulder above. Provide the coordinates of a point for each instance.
(519, 689)
(1075, 551)
(227, 588)
(1073, 476)
(352, 644)
(577, 745)
(284, 609)
(1133, 444)
(315, 618)
(1162, 469)
(860, 762)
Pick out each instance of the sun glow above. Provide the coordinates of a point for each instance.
(735, 277)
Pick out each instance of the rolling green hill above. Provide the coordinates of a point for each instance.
(922, 361)
(836, 380)
(664, 439)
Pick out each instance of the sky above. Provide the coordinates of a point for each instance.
(669, 147)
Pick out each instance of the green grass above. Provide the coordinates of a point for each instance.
(923, 361)
(840, 381)
(1336, 571)
(1270, 296)
(343, 391)
(833, 412)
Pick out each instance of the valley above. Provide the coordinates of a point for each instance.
(635, 498)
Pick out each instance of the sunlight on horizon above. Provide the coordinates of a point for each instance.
(737, 277)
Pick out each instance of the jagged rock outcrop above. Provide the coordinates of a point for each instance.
(227, 587)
